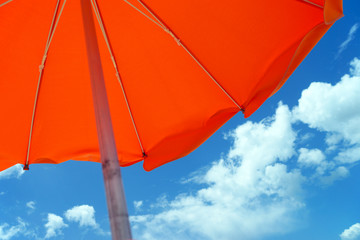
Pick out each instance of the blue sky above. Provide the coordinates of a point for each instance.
(288, 172)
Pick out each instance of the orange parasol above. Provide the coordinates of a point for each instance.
(164, 75)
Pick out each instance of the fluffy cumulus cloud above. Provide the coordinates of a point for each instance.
(83, 214)
(54, 226)
(311, 157)
(256, 190)
(326, 172)
(334, 109)
(14, 172)
(7, 232)
(248, 194)
(352, 233)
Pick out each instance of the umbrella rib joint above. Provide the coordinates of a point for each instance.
(54, 23)
(162, 25)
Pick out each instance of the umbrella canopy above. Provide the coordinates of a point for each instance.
(175, 71)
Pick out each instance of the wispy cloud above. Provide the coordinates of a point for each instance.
(31, 205)
(13, 172)
(350, 37)
(138, 205)
(7, 232)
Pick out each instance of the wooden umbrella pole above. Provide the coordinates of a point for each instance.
(119, 218)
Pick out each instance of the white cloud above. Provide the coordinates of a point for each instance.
(271, 139)
(138, 205)
(54, 226)
(325, 172)
(311, 157)
(31, 205)
(350, 37)
(334, 109)
(140, 218)
(15, 171)
(316, 159)
(349, 155)
(84, 215)
(247, 195)
(7, 232)
(355, 67)
(352, 233)
(336, 174)
(161, 202)
(306, 137)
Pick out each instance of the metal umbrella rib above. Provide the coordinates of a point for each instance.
(108, 44)
(54, 24)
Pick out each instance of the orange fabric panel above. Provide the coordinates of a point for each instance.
(244, 43)
(250, 47)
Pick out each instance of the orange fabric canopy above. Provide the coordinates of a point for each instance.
(249, 47)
